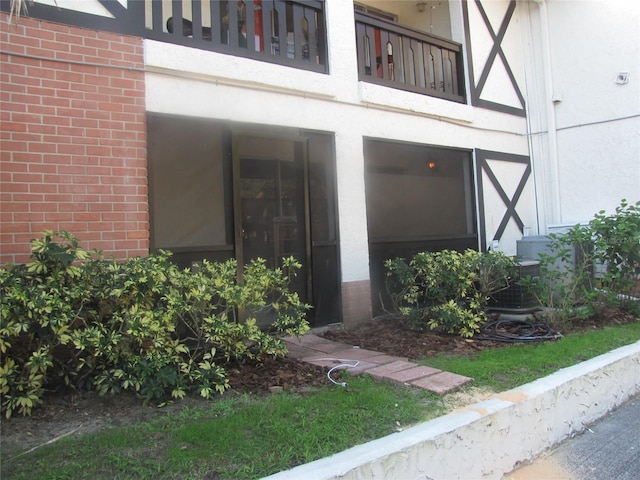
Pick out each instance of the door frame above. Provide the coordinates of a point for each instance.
(301, 150)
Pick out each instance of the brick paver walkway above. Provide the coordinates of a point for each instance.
(326, 353)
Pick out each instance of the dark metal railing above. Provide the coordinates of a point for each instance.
(401, 57)
(285, 32)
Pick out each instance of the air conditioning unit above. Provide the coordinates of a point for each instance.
(531, 248)
(516, 298)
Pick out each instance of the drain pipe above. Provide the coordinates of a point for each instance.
(556, 210)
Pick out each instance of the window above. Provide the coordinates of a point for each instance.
(417, 193)
(186, 173)
(419, 199)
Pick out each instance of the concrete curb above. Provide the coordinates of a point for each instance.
(488, 439)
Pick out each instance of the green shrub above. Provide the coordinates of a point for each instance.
(70, 318)
(565, 284)
(447, 290)
(591, 267)
(38, 308)
(616, 243)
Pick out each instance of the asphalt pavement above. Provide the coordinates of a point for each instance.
(607, 450)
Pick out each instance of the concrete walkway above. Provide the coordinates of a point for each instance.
(606, 450)
(333, 355)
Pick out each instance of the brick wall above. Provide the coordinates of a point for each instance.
(73, 138)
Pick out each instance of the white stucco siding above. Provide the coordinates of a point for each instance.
(592, 43)
(481, 43)
(352, 210)
(585, 140)
(193, 82)
(210, 67)
(599, 168)
(341, 46)
(512, 48)
(598, 120)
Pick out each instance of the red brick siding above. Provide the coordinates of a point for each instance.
(73, 138)
(356, 303)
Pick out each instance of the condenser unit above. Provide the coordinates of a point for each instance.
(517, 298)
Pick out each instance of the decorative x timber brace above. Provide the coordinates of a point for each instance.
(496, 51)
(483, 157)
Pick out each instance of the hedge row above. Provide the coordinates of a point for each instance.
(70, 318)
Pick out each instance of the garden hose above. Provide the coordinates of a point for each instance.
(516, 331)
(342, 364)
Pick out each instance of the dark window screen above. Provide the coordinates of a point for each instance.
(419, 199)
(187, 183)
(417, 193)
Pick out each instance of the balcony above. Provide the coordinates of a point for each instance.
(288, 33)
(294, 33)
(401, 57)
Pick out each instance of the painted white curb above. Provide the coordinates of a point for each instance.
(488, 439)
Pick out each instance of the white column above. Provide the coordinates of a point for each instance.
(354, 244)
(354, 248)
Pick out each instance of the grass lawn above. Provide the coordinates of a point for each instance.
(234, 438)
(249, 437)
(506, 368)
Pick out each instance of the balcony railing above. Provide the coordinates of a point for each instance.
(400, 57)
(285, 32)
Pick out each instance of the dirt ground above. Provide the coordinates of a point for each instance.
(82, 412)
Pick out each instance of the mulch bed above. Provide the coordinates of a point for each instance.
(387, 335)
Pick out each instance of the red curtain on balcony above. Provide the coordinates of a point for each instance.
(257, 22)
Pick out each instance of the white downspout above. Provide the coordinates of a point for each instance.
(556, 210)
